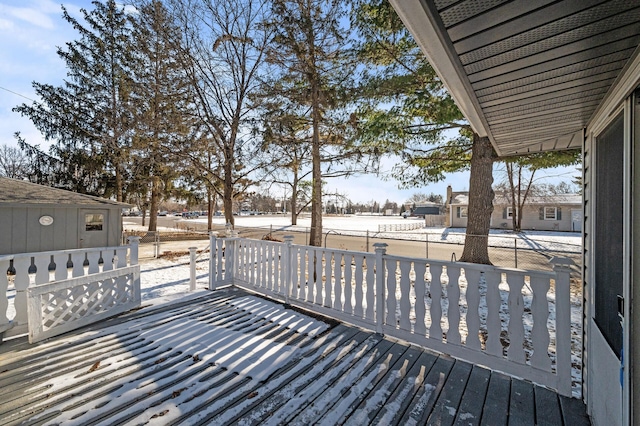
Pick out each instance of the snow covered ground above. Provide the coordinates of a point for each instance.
(359, 225)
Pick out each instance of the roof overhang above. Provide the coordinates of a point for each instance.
(528, 74)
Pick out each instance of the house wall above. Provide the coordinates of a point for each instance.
(457, 222)
(531, 218)
(21, 231)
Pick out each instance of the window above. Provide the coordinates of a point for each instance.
(462, 212)
(93, 222)
(550, 213)
(509, 212)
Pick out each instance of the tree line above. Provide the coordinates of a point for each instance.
(207, 98)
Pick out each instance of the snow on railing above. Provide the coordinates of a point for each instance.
(20, 271)
(505, 319)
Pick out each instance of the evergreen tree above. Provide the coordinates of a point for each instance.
(309, 50)
(89, 115)
(161, 103)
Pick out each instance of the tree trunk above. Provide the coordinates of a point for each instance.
(480, 202)
(210, 208)
(294, 203)
(315, 236)
(153, 209)
(228, 186)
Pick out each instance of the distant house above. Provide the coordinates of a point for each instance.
(37, 218)
(562, 212)
(426, 208)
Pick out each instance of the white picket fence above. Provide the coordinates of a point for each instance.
(497, 317)
(58, 288)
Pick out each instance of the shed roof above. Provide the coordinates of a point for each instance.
(529, 75)
(20, 192)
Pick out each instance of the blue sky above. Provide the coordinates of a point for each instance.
(31, 31)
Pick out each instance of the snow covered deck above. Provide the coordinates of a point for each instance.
(228, 357)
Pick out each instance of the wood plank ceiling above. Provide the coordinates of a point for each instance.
(528, 73)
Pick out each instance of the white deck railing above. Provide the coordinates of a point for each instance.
(19, 272)
(510, 320)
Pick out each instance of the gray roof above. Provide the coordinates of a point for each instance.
(529, 75)
(20, 192)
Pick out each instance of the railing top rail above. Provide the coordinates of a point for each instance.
(54, 252)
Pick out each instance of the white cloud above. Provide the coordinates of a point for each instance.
(32, 16)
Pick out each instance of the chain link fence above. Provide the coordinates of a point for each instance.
(511, 251)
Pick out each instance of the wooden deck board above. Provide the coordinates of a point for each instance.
(226, 358)
(521, 404)
(473, 396)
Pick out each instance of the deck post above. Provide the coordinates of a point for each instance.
(192, 268)
(134, 243)
(213, 253)
(381, 250)
(288, 242)
(4, 301)
(562, 268)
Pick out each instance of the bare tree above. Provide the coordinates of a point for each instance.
(13, 162)
(223, 55)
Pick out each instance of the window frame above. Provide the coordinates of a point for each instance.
(555, 213)
(93, 225)
(509, 212)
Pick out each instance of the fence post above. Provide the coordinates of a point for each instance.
(562, 268)
(381, 250)
(158, 251)
(367, 243)
(288, 271)
(213, 260)
(515, 251)
(192, 268)
(427, 246)
(134, 244)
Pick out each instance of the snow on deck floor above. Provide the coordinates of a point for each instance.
(226, 357)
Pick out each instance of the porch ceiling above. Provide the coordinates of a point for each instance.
(529, 74)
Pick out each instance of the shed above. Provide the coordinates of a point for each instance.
(40, 218)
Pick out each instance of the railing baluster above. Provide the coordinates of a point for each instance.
(318, 276)
(296, 270)
(391, 294)
(493, 345)
(453, 311)
(472, 294)
(420, 269)
(93, 257)
(337, 283)
(539, 332)
(515, 351)
(328, 281)
(41, 262)
(562, 268)
(405, 304)
(348, 285)
(370, 287)
(311, 260)
(21, 283)
(435, 289)
(358, 291)
(270, 272)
